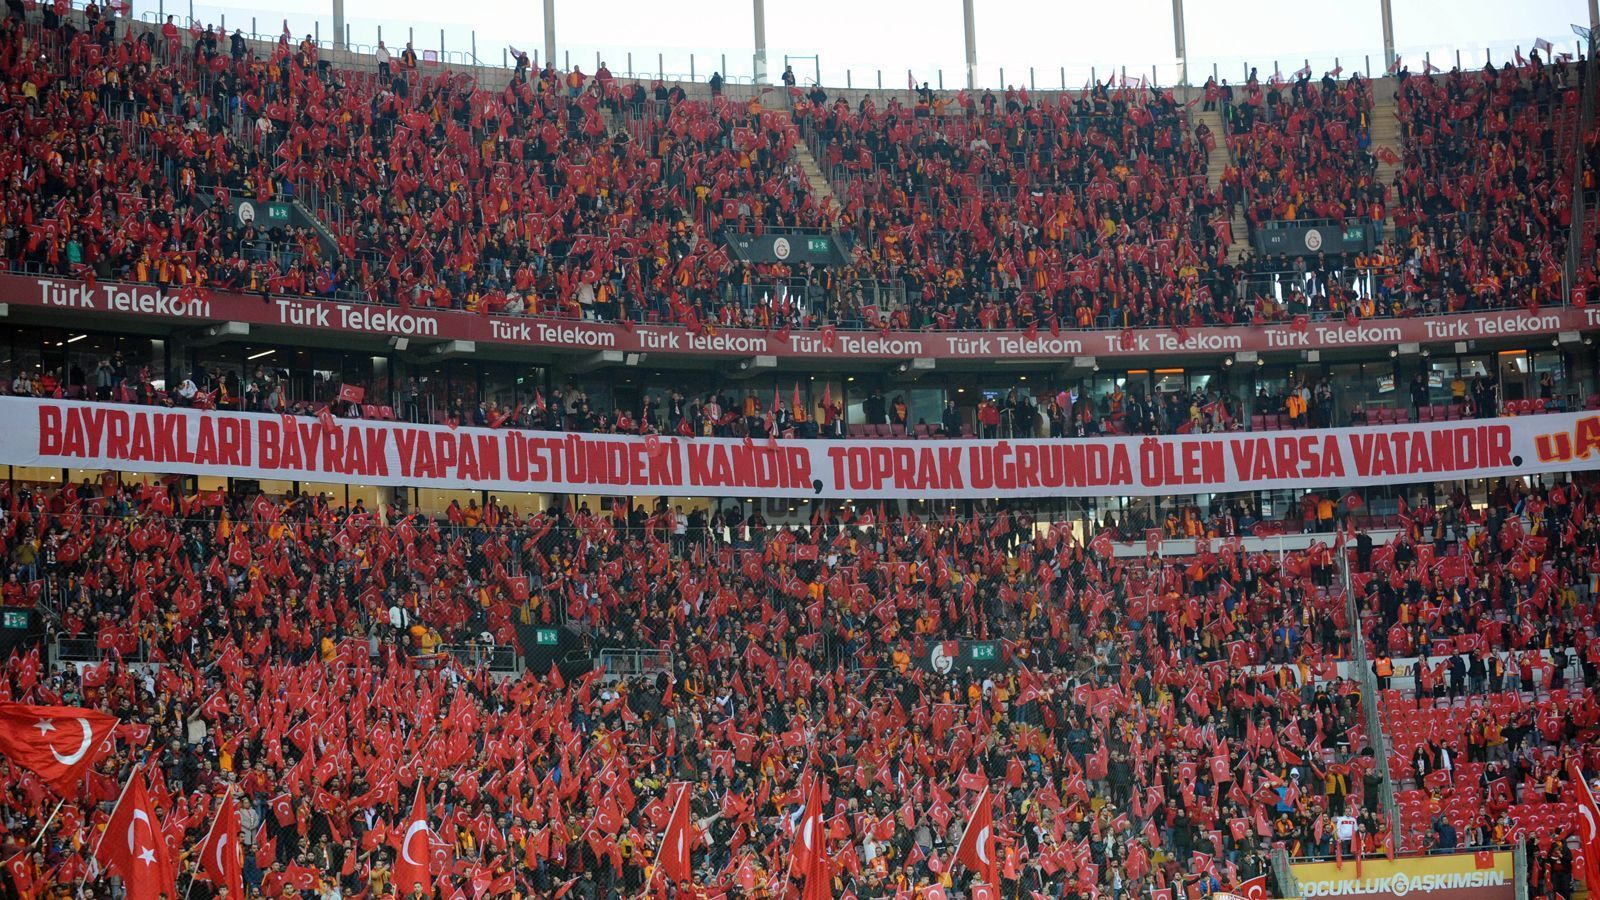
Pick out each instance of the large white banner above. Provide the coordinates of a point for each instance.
(246, 445)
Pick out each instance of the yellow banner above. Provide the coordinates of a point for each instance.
(1448, 877)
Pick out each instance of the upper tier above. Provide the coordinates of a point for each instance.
(975, 226)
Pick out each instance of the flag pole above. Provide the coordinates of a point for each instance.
(215, 817)
(655, 868)
(46, 826)
(94, 857)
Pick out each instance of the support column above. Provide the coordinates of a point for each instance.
(550, 31)
(1180, 43)
(967, 20)
(338, 24)
(1388, 34)
(759, 8)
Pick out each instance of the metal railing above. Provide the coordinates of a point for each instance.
(745, 72)
(499, 658)
(619, 664)
(71, 649)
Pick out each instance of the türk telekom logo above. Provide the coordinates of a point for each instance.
(150, 301)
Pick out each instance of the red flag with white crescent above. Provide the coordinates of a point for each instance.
(57, 742)
(977, 848)
(411, 864)
(1588, 827)
(810, 848)
(673, 858)
(219, 853)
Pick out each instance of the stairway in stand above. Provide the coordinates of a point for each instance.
(1218, 159)
(1385, 128)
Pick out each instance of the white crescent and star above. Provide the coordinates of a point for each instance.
(983, 845)
(72, 759)
(405, 845)
(147, 855)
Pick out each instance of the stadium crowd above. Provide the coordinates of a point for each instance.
(1151, 722)
(1484, 191)
(1148, 724)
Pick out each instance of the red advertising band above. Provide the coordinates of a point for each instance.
(191, 306)
(352, 451)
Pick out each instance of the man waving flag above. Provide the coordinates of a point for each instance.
(674, 856)
(1588, 827)
(132, 845)
(411, 866)
(219, 853)
(977, 848)
(57, 742)
(810, 858)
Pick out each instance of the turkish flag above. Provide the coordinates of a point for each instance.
(1254, 889)
(351, 393)
(608, 818)
(1588, 826)
(219, 853)
(215, 708)
(132, 845)
(1101, 545)
(977, 848)
(411, 866)
(22, 873)
(282, 809)
(53, 741)
(673, 856)
(810, 858)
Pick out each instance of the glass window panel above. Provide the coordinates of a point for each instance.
(924, 405)
(521, 504)
(434, 501)
(36, 474)
(1514, 375)
(1549, 381)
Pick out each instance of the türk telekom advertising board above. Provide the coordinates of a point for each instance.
(191, 306)
(1480, 875)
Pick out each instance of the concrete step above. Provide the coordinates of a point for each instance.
(818, 183)
(1219, 157)
(1218, 160)
(815, 180)
(1385, 130)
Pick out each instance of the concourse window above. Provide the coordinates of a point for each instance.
(1516, 369)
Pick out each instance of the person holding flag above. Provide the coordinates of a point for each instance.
(1587, 823)
(977, 848)
(219, 852)
(133, 847)
(809, 860)
(412, 852)
(674, 855)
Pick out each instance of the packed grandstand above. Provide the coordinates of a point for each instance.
(441, 482)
